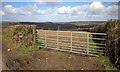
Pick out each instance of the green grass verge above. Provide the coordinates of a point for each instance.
(103, 60)
(93, 47)
(26, 49)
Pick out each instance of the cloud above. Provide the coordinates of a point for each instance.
(48, 2)
(23, 13)
(112, 10)
(92, 9)
(73, 11)
(9, 9)
(66, 10)
(26, 10)
(97, 5)
(95, 9)
(1, 13)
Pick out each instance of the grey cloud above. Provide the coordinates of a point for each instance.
(48, 2)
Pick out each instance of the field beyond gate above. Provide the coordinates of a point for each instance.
(73, 41)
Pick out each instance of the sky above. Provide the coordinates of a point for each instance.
(58, 11)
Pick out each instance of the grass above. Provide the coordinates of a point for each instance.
(103, 60)
(7, 34)
(7, 38)
(26, 49)
(9, 43)
(93, 47)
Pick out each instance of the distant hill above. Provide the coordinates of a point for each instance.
(79, 25)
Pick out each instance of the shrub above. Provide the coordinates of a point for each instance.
(113, 41)
(16, 36)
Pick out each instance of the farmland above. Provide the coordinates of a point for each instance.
(24, 58)
(59, 35)
(46, 59)
(64, 26)
(80, 42)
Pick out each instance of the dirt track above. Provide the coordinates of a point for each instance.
(45, 59)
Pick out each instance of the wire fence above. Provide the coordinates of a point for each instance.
(73, 41)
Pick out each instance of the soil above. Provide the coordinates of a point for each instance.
(45, 59)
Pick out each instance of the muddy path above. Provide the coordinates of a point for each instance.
(45, 59)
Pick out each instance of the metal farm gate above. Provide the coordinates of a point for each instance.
(73, 41)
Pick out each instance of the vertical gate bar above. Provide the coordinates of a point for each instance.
(71, 43)
(87, 43)
(57, 40)
(45, 39)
